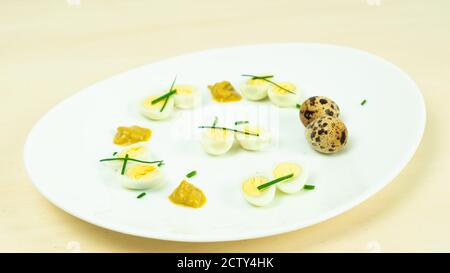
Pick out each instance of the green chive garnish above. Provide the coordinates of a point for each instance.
(228, 129)
(141, 195)
(191, 174)
(114, 153)
(270, 183)
(298, 105)
(241, 122)
(266, 78)
(166, 95)
(363, 102)
(309, 187)
(165, 103)
(216, 119)
(131, 159)
(124, 165)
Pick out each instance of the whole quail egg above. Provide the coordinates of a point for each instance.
(317, 106)
(327, 134)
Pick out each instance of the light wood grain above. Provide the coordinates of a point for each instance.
(51, 49)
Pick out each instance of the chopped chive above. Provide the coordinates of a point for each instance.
(309, 187)
(141, 195)
(266, 78)
(229, 129)
(216, 119)
(161, 163)
(239, 122)
(270, 183)
(191, 174)
(131, 159)
(363, 102)
(257, 77)
(171, 92)
(114, 153)
(124, 165)
(298, 105)
(166, 95)
(165, 103)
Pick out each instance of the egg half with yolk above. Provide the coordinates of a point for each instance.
(155, 111)
(281, 97)
(252, 138)
(141, 177)
(135, 151)
(255, 89)
(255, 196)
(187, 96)
(293, 184)
(216, 141)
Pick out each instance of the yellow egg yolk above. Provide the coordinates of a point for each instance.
(133, 152)
(218, 134)
(141, 171)
(287, 168)
(148, 103)
(250, 186)
(257, 82)
(184, 89)
(252, 130)
(289, 86)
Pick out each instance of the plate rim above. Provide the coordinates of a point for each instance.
(177, 237)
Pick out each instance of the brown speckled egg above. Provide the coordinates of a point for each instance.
(315, 107)
(327, 134)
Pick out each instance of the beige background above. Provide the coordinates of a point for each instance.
(51, 49)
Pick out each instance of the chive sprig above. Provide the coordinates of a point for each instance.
(266, 78)
(127, 158)
(141, 195)
(124, 165)
(228, 129)
(273, 182)
(191, 174)
(166, 96)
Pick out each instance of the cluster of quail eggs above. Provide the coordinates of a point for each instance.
(324, 130)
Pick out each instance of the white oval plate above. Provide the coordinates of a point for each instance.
(63, 149)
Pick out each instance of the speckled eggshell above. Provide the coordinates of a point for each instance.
(327, 134)
(315, 107)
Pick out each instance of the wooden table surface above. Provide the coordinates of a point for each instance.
(51, 49)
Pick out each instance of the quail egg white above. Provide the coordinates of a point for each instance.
(255, 196)
(155, 111)
(141, 177)
(187, 96)
(252, 138)
(255, 89)
(216, 141)
(296, 182)
(281, 97)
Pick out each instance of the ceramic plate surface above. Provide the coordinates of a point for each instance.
(63, 150)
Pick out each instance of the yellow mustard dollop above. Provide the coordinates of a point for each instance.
(224, 92)
(129, 135)
(188, 195)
